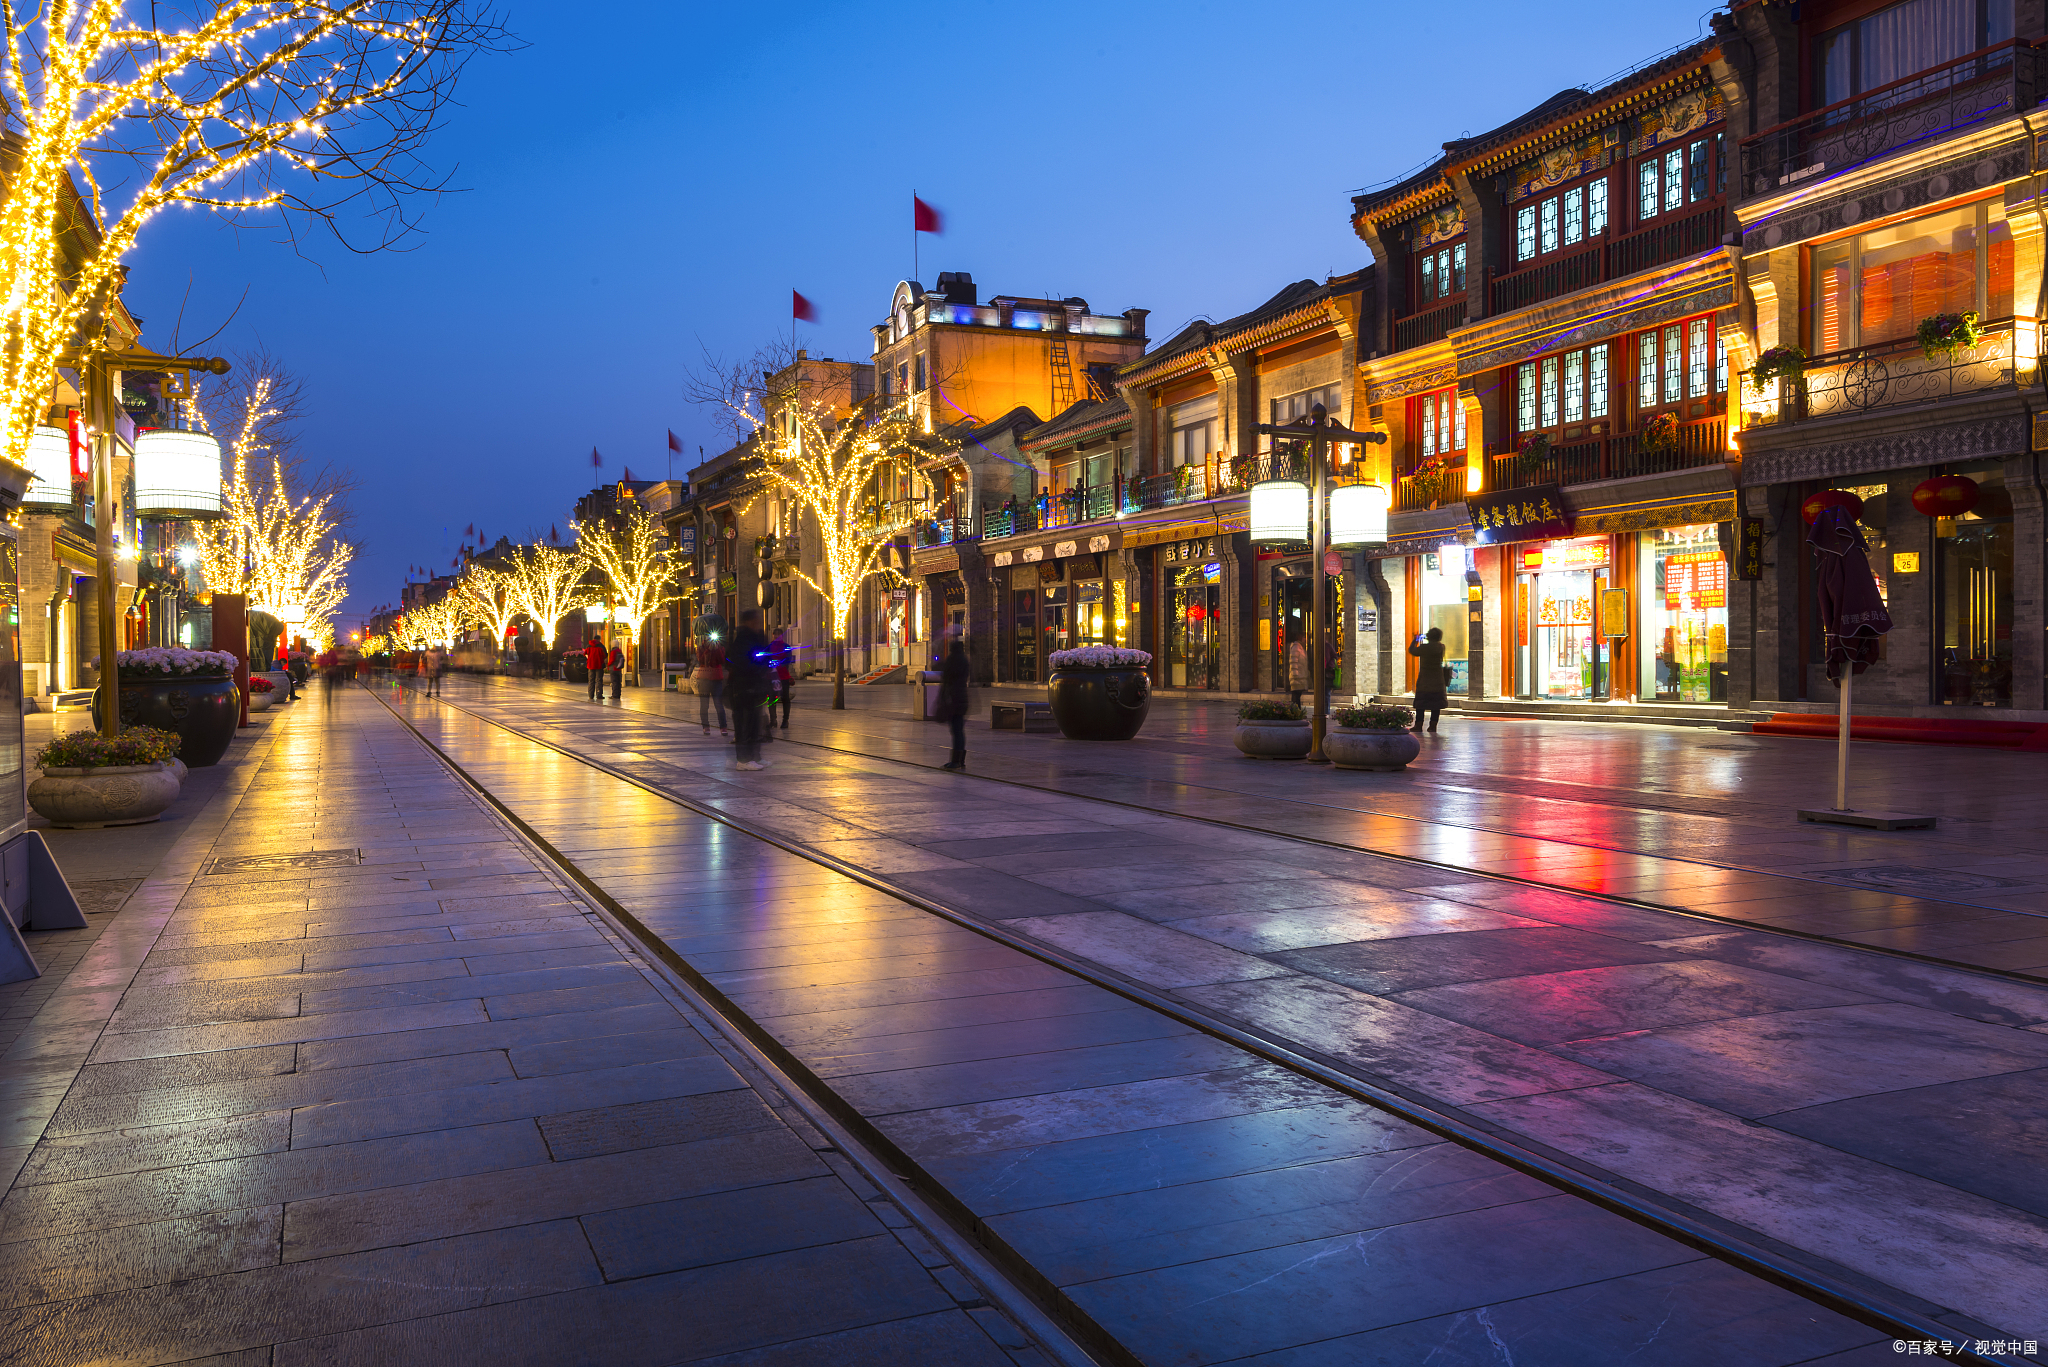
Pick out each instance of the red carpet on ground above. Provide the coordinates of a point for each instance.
(1998, 735)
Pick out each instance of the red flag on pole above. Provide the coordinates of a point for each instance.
(596, 461)
(800, 307)
(626, 473)
(470, 530)
(923, 217)
(673, 444)
(553, 535)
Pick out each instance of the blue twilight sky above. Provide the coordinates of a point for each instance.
(640, 176)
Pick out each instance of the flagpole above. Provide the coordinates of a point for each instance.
(913, 232)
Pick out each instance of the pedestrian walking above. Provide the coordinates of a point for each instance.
(618, 668)
(436, 664)
(593, 667)
(709, 680)
(953, 700)
(1430, 681)
(785, 673)
(748, 677)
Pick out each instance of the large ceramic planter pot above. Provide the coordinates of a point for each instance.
(1355, 747)
(283, 681)
(112, 795)
(202, 711)
(260, 702)
(1100, 704)
(1273, 739)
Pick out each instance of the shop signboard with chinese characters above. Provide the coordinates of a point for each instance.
(1695, 580)
(1535, 514)
(1749, 548)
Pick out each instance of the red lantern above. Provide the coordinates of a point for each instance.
(1831, 498)
(1945, 495)
(1196, 612)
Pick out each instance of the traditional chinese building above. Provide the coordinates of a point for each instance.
(1890, 211)
(1559, 311)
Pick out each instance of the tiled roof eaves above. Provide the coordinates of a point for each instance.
(1113, 414)
(1522, 139)
(1302, 318)
(1418, 186)
(1256, 327)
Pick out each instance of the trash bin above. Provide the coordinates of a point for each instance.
(928, 689)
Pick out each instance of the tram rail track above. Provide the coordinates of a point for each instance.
(1044, 1309)
(2027, 977)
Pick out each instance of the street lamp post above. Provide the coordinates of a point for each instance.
(1319, 431)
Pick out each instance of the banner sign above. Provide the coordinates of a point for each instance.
(1536, 514)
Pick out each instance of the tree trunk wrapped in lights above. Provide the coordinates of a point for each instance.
(485, 599)
(114, 112)
(280, 552)
(631, 552)
(548, 585)
(834, 468)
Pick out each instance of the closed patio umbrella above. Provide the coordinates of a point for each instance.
(1852, 614)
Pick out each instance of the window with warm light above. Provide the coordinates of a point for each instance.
(1566, 395)
(1875, 287)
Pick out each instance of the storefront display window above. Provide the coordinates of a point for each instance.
(1442, 597)
(1091, 620)
(1193, 631)
(1974, 589)
(1684, 645)
(1055, 620)
(1558, 653)
(1024, 630)
(1292, 597)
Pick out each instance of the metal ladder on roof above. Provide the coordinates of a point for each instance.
(1063, 394)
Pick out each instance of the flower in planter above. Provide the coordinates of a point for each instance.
(1271, 711)
(1786, 361)
(1660, 434)
(157, 662)
(1374, 717)
(91, 750)
(1945, 334)
(1100, 657)
(259, 684)
(1535, 449)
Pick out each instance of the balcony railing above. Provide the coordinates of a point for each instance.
(1432, 326)
(1925, 105)
(944, 531)
(1667, 239)
(879, 519)
(1701, 442)
(1892, 375)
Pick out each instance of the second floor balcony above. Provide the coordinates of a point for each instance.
(1951, 98)
(1896, 375)
(1625, 455)
(1671, 238)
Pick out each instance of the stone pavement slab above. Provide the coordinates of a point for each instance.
(421, 1108)
(1022, 1091)
(1508, 1022)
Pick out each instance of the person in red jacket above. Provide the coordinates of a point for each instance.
(593, 661)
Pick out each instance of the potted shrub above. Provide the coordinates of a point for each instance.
(1530, 456)
(1272, 730)
(1373, 737)
(1660, 435)
(188, 692)
(89, 781)
(262, 692)
(1778, 362)
(1099, 692)
(1944, 334)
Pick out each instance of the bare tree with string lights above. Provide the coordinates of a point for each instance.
(847, 472)
(298, 113)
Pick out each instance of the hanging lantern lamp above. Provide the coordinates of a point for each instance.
(1830, 498)
(1358, 514)
(1946, 495)
(177, 475)
(49, 460)
(1279, 510)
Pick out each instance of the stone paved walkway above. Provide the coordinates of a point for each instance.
(411, 1100)
(1808, 1095)
(1708, 817)
(1195, 1202)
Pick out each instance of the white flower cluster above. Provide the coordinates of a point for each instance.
(1100, 657)
(174, 660)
